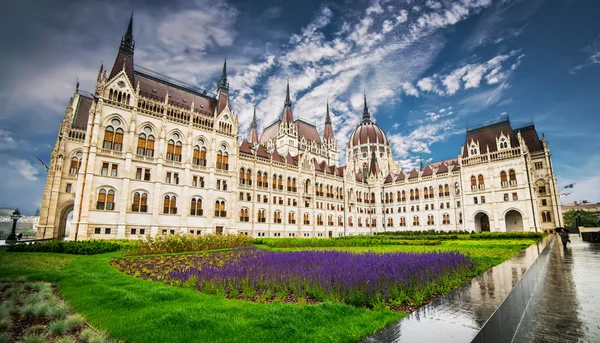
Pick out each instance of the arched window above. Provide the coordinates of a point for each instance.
(359, 222)
(113, 136)
(174, 148)
(456, 188)
(503, 179)
(473, 182)
(294, 187)
(75, 163)
(291, 218)
(340, 221)
(222, 158)
(512, 176)
(258, 179)
(170, 204)
(274, 181)
(415, 220)
(480, 182)
(106, 200)
(199, 154)
(446, 218)
(430, 220)
(402, 221)
(306, 219)
(412, 194)
(403, 196)
(280, 182)
(249, 177)
(319, 219)
(426, 193)
(288, 184)
(446, 190)
(390, 222)
(330, 220)
(140, 202)
(416, 194)
(242, 176)
(196, 208)
(244, 215)
(473, 149)
(307, 186)
(220, 209)
(546, 218)
(265, 180)
(277, 217)
(460, 219)
(350, 223)
(145, 145)
(503, 143)
(262, 218)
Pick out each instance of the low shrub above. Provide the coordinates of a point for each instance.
(34, 338)
(73, 321)
(3, 337)
(506, 235)
(59, 311)
(167, 244)
(77, 248)
(57, 327)
(65, 339)
(4, 324)
(352, 241)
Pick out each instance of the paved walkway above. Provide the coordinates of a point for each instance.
(565, 306)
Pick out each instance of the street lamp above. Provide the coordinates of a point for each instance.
(12, 238)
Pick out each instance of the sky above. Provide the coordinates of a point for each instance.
(430, 69)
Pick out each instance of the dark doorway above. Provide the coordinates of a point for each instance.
(219, 230)
(330, 234)
(484, 223)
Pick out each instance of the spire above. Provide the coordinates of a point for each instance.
(374, 166)
(253, 132)
(77, 86)
(127, 43)
(223, 83)
(124, 60)
(287, 102)
(288, 117)
(328, 130)
(366, 115)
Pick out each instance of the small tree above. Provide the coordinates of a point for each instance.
(586, 218)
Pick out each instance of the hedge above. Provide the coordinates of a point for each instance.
(77, 248)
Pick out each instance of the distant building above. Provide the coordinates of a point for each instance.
(149, 155)
(582, 206)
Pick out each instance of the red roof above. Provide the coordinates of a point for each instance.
(340, 171)
(531, 138)
(245, 148)
(367, 132)
(486, 136)
(290, 160)
(276, 156)
(389, 179)
(261, 151)
(154, 88)
(308, 131)
(413, 174)
(359, 176)
(427, 171)
(443, 168)
(82, 112)
(288, 116)
(401, 176)
(456, 167)
(118, 66)
(270, 131)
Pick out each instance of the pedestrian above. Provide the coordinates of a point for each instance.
(20, 236)
(564, 237)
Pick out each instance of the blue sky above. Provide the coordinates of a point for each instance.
(430, 68)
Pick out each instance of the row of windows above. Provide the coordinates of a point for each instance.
(505, 179)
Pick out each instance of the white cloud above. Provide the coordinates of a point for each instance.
(592, 52)
(24, 168)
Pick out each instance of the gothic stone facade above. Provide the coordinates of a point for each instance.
(148, 155)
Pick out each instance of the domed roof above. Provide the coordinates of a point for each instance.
(367, 132)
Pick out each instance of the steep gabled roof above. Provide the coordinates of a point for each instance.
(82, 112)
(308, 131)
(531, 138)
(389, 179)
(261, 151)
(401, 176)
(456, 167)
(340, 171)
(245, 148)
(359, 176)
(413, 174)
(277, 157)
(427, 171)
(290, 160)
(270, 131)
(443, 168)
(486, 136)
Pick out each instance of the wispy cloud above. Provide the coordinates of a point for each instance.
(26, 169)
(592, 55)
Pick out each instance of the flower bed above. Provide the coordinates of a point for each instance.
(362, 280)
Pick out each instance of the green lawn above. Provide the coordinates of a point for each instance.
(135, 310)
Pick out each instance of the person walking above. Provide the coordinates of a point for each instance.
(564, 237)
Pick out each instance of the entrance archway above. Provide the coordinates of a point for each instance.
(513, 220)
(66, 215)
(482, 222)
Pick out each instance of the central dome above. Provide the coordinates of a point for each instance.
(367, 133)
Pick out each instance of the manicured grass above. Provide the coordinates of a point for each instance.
(135, 310)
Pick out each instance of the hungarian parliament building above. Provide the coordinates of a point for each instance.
(147, 155)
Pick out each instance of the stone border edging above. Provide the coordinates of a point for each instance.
(502, 326)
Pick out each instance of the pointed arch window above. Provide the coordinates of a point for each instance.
(145, 145)
(75, 163)
(106, 200)
(503, 143)
(220, 209)
(170, 204)
(306, 219)
(174, 148)
(196, 208)
(199, 155)
(244, 217)
(242, 179)
(222, 158)
(416, 221)
(512, 176)
(265, 180)
(473, 183)
(262, 218)
(277, 217)
(481, 182)
(113, 136)
(140, 202)
(291, 218)
(249, 177)
(503, 179)
(446, 190)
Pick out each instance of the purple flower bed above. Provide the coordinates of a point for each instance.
(362, 280)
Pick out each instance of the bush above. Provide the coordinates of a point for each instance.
(167, 244)
(77, 248)
(73, 321)
(506, 235)
(351, 241)
(57, 327)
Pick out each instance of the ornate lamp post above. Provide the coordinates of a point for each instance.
(12, 238)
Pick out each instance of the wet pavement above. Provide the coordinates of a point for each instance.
(459, 315)
(566, 306)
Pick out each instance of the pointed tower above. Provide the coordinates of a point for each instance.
(374, 166)
(288, 117)
(124, 60)
(328, 129)
(223, 90)
(253, 133)
(366, 115)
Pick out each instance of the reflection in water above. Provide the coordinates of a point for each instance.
(458, 315)
(564, 308)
